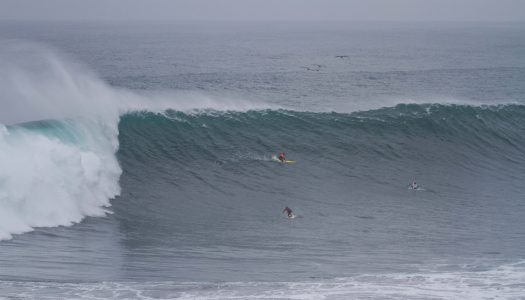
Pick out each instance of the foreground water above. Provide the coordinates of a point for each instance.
(160, 166)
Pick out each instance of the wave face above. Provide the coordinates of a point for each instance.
(205, 180)
(446, 136)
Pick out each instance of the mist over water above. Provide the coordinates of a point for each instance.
(152, 145)
(59, 140)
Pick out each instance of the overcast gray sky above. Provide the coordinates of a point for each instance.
(349, 10)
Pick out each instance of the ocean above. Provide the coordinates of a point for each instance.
(136, 160)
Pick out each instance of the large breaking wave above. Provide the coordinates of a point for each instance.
(59, 136)
(57, 143)
(60, 127)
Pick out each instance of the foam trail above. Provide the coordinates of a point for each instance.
(503, 282)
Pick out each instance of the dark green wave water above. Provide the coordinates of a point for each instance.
(206, 180)
(404, 134)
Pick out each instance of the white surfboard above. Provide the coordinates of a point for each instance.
(274, 158)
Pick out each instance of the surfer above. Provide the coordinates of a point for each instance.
(414, 185)
(288, 212)
(282, 157)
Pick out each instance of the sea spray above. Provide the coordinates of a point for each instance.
(58, 141)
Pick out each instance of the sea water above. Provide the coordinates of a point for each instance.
(135, 160)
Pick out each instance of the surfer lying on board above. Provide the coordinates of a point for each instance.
(282, 157)
(288, 212)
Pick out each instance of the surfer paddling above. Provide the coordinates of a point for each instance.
(282, 157)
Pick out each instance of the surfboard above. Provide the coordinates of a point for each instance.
(292, 216)
(283, 162)
(416, 189)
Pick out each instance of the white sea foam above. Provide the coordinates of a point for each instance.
(53, 173)
(46, 181)
(503, 282)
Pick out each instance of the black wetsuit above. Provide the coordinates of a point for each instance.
(288, 211)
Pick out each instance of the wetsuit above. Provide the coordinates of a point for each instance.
(288, 211)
